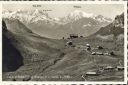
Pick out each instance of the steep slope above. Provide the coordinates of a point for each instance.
(15, 26)
(21, 47)
(12, 59)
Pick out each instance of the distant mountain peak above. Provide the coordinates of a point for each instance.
(78, 14)
(102, 18)
(27, 16)
(81, 14)
(36, 12)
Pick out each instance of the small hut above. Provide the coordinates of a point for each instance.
(62, 37)
(93, 53)
(69, 43)
(109, 68)
(73, 36)
(112, 53)
(90, 73)
(81, 36)
(99, 47)
(120, 68)
(88, 47)
(99, 53)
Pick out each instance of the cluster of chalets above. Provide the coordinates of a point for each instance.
(102, 70)
(72, 36)
(90, 49)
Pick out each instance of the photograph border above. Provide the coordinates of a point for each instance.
(66, 82)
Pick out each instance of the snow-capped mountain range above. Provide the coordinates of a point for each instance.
(40, 22)
(38, 15)
(78, 14)
(26, 16)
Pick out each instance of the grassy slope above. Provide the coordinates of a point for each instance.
(49, 57)
(33, 48)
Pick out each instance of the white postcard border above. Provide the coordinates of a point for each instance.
(65, 82)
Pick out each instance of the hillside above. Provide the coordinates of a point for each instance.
(43, 59)
(12, 59)
(22, 47)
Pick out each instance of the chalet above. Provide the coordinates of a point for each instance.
(81, 36)
(99, 53)
(73, 36)
(120, 68)
(106, 54)
(112, 53)
(99, 47)
(88, 49)
(93, 53)
(92, 73)
(88, 45)
(69, 43)
(109, 68)
(63, 38)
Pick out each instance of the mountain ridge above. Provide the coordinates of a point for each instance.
(113, 31)
(41, 23)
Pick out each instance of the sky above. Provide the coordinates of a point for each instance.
(61, 10)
